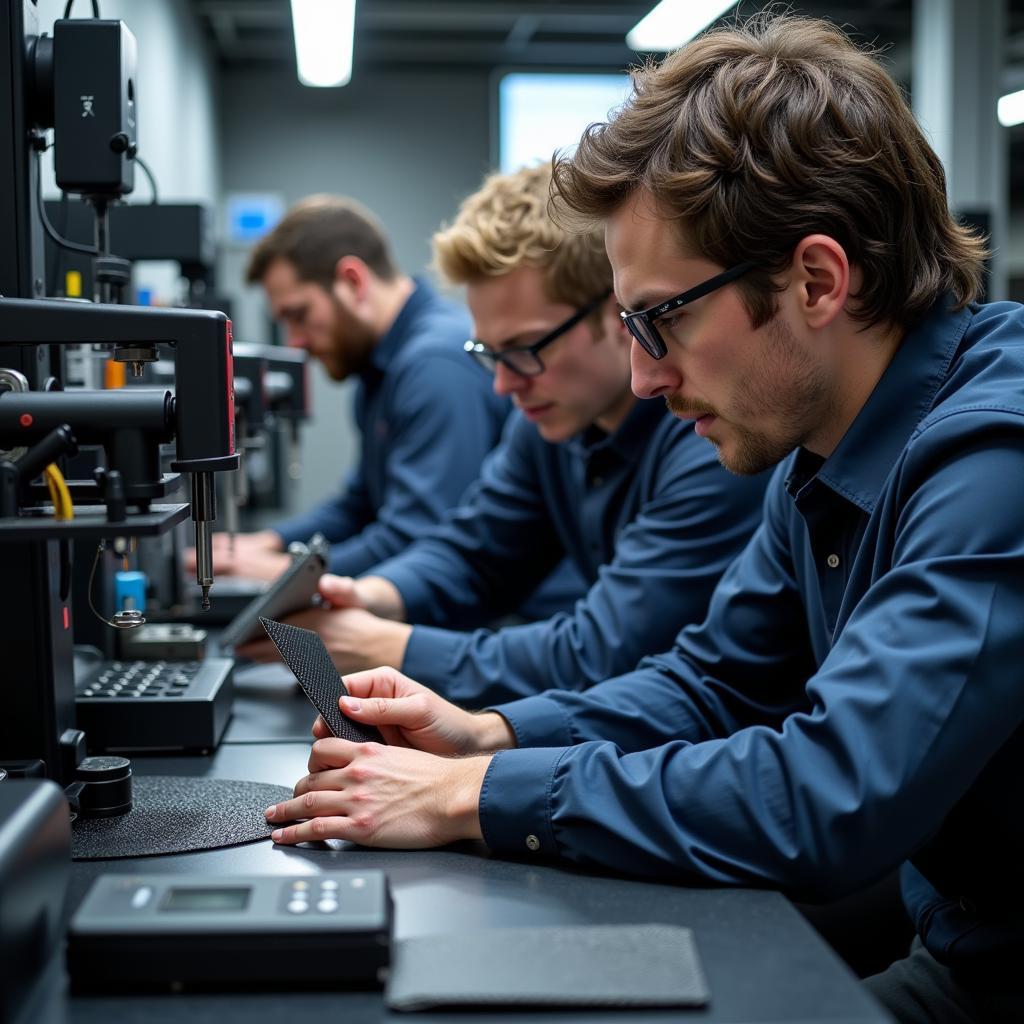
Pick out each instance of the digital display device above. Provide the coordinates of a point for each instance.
(207, 899)
(179, 932)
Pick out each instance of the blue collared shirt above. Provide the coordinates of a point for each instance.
(647, 516)
(854, 699)
(427, 417)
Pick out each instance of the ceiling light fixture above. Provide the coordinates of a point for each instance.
(674, 22)
(323, 41)
(1011, 109)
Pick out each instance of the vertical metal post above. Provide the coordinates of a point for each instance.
(957, 69)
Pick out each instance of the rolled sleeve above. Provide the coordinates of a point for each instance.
(515, 800)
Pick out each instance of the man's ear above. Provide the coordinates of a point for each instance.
(821, 275)
(351, 277)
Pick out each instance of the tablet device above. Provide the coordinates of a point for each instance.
(292, 591)
(305, 654)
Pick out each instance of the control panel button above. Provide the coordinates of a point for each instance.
(141, 896)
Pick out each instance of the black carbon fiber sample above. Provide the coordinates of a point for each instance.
(598, 965)
(173, 814)
(304, 653)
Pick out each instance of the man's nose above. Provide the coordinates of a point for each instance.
(508, 382)
(650, 377)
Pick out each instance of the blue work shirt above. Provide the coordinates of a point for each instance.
(427, 416)
(854, 699)
(647, 516)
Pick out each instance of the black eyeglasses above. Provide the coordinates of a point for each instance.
(525, 360)
(642, 325)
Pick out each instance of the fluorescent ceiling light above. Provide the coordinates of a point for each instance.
(1011, 109)
(674, 22)
(323, 40)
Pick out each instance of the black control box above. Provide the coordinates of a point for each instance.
(331, 929)
(94, 106)
(155, 705)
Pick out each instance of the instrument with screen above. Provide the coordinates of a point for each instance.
(201, 931)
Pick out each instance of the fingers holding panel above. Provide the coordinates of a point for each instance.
(332, 753)
(310, 804)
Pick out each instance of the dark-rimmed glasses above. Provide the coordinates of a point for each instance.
(525, 359)
(643, 324)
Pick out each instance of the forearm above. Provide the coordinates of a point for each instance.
(462, 797)
(492, 732)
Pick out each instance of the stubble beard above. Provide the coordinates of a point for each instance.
(785, 376)
(352, 345)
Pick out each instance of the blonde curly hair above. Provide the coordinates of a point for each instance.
(506, 225)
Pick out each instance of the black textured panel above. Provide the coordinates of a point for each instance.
(597, 965)
(304, 653)
(172, 814)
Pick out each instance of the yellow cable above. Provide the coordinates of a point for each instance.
(65, 495)
(52, 488)
(63, 508)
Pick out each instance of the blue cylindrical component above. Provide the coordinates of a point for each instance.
(130, 590)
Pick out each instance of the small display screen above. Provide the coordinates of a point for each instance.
(207, 899)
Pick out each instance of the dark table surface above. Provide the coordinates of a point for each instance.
(762, 960)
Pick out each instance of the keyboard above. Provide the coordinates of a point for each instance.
(141, 679)
(155, 705)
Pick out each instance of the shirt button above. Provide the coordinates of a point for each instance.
(532, 843)
(597, 481)
(832, 561)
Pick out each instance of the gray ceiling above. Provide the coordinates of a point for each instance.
(488, 33)
(483, 34)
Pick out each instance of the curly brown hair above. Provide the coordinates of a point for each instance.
(761, 133)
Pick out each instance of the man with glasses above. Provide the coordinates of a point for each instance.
(426, 417)
(636, 501)
(852, 704)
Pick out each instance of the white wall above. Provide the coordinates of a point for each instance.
(179, 134)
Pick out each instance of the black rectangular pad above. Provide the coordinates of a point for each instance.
(597, 965)
(305, 654)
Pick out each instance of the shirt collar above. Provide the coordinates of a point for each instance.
(862, 460)
(632, 436)
(401, 328)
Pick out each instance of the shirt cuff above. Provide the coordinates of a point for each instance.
(537, 721)
(430, 654)
(415, 597)
(515, 802)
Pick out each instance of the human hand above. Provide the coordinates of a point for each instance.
(340, 591)
(355, 638)
(253, 555)
(374, 593)
(379, 795)
(408, 714)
